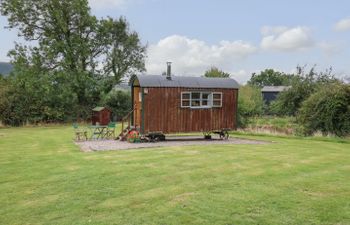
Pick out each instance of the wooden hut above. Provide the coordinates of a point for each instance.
(173, 104)
(101, 116)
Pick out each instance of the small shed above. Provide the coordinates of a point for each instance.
(270, 93)
(101, 116)
(172, 104)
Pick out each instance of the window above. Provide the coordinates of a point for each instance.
(185, 99)
(217, 99)
(195, 99)
(201, 99)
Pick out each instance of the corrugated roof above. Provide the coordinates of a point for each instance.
(182, 81)
(275, 88)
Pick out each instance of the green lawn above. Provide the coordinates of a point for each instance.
(45, 179)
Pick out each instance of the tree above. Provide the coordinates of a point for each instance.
(270, 77)
(215, 72)
(65, 39)
(327, 110)
(119, 101)
(302, 86)
(124, 55)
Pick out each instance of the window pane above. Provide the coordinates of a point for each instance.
(185, 95)
(195, 103)
(217, 96)
(185, 103)
(196, 95)
(205, 96)
(204, 102)
(216, 103)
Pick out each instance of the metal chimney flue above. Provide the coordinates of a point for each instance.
(168, 70)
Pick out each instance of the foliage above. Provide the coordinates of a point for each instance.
(270, 77)
(45, 179)
(327, 110)
(33, 97)
(250, 103)
(215, 72)
(68, 50)
(119, 102)
(124, 56)
(303, 85)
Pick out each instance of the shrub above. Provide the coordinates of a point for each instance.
(303, 84)
(250, 103)
(327, 110)
(119, 102)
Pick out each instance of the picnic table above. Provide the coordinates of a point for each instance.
(98, 131)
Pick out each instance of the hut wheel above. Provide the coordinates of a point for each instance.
(224, 135)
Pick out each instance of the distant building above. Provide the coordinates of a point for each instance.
(270, 93)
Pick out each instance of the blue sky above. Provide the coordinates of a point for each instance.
(239, 37)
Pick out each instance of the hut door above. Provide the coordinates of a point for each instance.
(137, 105)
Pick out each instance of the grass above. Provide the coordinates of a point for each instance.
(273, 121)
(45, 179)
(271, 125)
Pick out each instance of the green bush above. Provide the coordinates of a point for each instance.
(119, 102)
(327, 110)
(250, 103)
(33, 98)
(303, 84)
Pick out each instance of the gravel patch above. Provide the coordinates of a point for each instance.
(104, 145)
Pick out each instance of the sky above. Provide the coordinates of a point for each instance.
(238, 36)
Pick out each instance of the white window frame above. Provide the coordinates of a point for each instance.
(196, 99)
(201, 99)
(186, 106)
(217, 106)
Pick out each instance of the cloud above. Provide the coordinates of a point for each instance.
(242, 76)
(330, 48)
(342, 25)
(268, 30)
(286, 39)
(193, 57)
(103, 4)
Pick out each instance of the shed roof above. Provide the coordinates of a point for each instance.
(182, 81)
(98, 108)
(275, 88)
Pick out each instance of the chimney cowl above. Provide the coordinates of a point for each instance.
(168, 71)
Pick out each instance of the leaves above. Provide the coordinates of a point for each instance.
(215, 72)
(270, 77)
(327, 110)
(74, 51)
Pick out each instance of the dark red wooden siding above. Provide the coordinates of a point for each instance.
(163, 112)
(102, 117)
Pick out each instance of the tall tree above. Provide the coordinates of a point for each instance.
(270, 77)
(124, 55)
(64, 38)
(215, 72)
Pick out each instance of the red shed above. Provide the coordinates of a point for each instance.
(101, 116)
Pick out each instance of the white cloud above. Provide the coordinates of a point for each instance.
(193, 57)
(269, 30)
(342, 25)
(102, 4)
(242, 76)
(286, 39)
(330, 48)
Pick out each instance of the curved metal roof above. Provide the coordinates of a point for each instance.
(182, 81)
